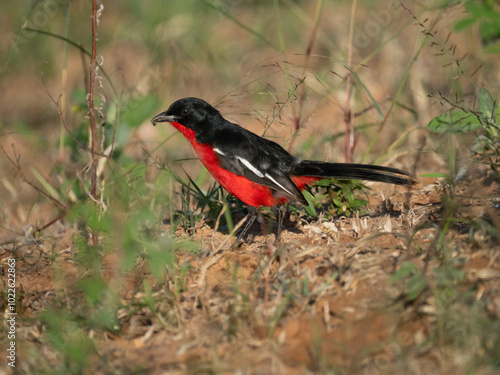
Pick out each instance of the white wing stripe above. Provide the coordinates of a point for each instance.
(247, 164)
(219, 151)
(276, 182)
(250, 166)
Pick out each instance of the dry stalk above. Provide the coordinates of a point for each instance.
(348, 115)
(93, 127)
(310, 44)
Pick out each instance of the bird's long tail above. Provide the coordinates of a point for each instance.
(317, 170)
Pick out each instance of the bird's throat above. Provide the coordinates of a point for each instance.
(189, 134)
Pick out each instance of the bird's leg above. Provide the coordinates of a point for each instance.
(280, 216)
(253, 213)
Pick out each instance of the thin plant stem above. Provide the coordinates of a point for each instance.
(93, 127)
(310, 44)
(64, 83)
(348, 117)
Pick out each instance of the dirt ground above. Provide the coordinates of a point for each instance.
(322, 300)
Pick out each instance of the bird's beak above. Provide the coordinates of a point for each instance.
(163, 117)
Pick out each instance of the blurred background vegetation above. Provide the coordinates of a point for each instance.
(280, 68)
(293, 71)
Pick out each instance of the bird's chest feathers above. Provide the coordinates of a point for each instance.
(206, 154)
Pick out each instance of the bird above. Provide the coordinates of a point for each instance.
(256, 170)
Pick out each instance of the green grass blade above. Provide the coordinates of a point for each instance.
(374, 102)
(48, 187)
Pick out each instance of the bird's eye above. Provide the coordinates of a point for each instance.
(185, 111)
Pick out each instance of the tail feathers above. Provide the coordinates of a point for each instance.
(353, 171)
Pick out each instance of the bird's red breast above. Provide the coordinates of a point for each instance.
(251, 193)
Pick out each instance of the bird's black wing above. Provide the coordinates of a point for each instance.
(258, 159)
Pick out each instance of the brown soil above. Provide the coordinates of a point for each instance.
(320, 299)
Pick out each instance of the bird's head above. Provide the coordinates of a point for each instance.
(193, 113)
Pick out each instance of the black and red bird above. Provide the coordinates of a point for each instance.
(256, 170)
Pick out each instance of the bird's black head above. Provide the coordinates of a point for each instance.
(193, 113)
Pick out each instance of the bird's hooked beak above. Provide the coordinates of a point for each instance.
(163, 117)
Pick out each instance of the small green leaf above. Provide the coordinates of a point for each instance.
(486, 103)
(360, 202)
(464, 23)
(53, 192)
(406, 269)
(475, 9)
(415, 285)
(454, 122)
(310, 209)
(348, 194)
(326, 182)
